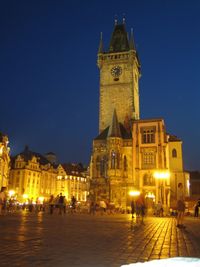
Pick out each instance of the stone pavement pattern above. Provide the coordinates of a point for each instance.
(84, 240)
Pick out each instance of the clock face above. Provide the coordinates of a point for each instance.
(116, 71)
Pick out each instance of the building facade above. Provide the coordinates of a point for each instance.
(34, 176)
(73, 180)
(4, 160)
(131, 154)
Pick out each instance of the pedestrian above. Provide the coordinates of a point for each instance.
(159, 209)
(51, 204)
(92, 208)
(140, 208)
(61, 204)
(2, 199)
(102, 206)
(73, 204)
(196, 210)
(132, 208)
(180, 206)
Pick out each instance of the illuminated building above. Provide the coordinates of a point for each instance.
(33, 176)
(73, 180)
(4, 160)
(128, 150)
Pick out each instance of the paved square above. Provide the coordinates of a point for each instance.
(40, 239)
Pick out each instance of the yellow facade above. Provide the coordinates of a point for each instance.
(33, 176)
(130, 153)
(72, 182)
(4, 160)
(30, 178)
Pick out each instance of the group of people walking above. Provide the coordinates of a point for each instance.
(59, 204)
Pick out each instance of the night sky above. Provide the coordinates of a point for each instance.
(49, 80)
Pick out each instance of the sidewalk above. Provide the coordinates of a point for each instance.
(84, 240)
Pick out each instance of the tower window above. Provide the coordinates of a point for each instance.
(103, 167)
(114, 160)
(174, 153)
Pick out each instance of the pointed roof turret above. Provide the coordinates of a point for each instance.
(114, 129)
(131, 42)
(119, 41)
(100, 50)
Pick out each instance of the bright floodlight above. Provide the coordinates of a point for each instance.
(162, 174)
(134, 193)
(11, 193)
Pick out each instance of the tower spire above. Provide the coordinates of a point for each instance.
(100, 50)
(123, 20)
(115, 19)
(131, 42)
(114, 129)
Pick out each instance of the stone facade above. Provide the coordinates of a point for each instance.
(129, 151)
(4, 160)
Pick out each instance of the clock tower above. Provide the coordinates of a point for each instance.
(119, 78)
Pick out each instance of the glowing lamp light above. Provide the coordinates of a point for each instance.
(11, 193)
(150, 195)
(25, 196)
(41, 199)
(162, 174)
(134, 193)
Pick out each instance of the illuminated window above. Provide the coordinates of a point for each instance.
(114, 160)
(148, 160)
(148, 135)
(174, 153)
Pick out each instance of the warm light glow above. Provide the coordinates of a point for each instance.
(41, 199)
(134, 193)
(161, 174)
(25, 196)
(150, 195)
(11, 193)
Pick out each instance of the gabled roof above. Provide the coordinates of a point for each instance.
(73, 168)
(174, 138)
(124, 133)
(28, 154)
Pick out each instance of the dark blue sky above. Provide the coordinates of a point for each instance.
(49, 81)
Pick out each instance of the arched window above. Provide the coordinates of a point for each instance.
(103, 166)
(174, 153)
(125, 163)
(113, 160)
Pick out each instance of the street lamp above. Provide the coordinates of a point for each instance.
(134, 193)
(11, 193)
(162, 176)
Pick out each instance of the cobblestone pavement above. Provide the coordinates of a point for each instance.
(84, 240)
